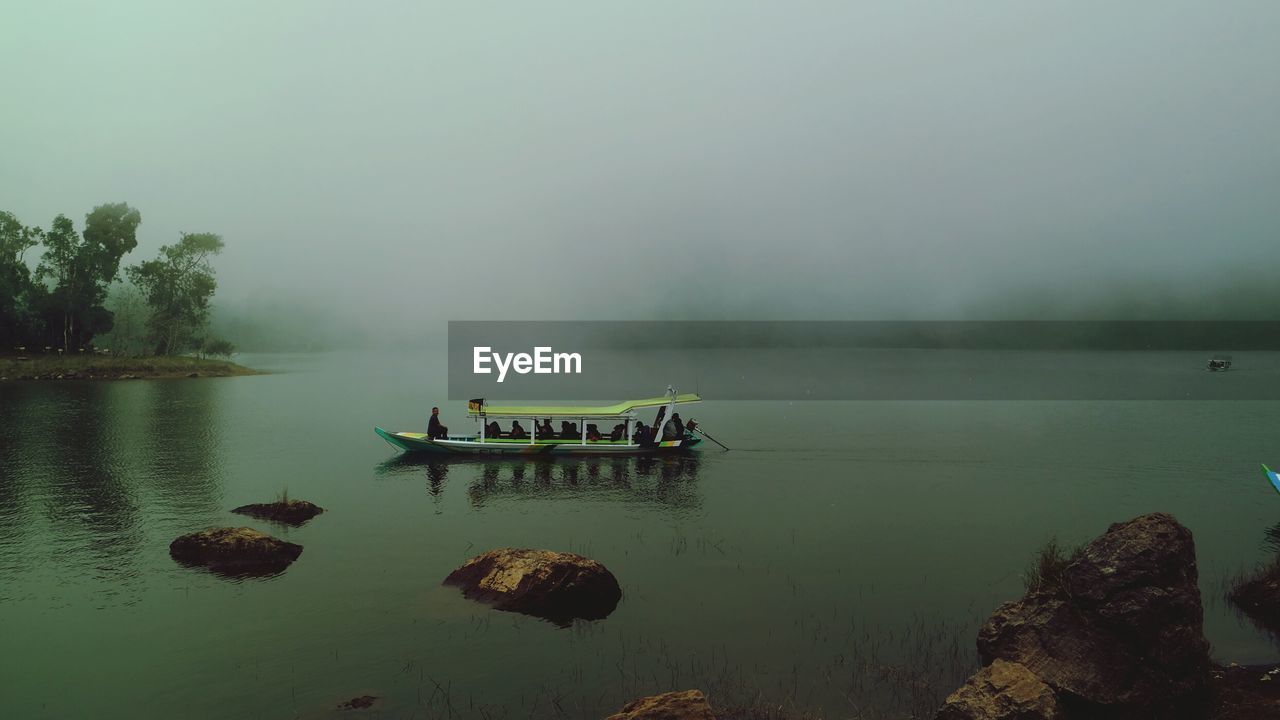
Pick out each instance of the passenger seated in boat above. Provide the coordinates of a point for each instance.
(593, 433)
(569, 431)
(434, 428)
(619, 432)
(641, 434)
(545, 430)
(493, 430)
(517, 431)
(679, 425)
(670, 431)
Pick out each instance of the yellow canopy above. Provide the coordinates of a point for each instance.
(619, 409)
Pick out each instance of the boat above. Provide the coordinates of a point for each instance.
(1273, 476)
(1218, 363)
(625, 414)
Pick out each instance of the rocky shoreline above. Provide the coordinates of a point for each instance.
(1119, 635)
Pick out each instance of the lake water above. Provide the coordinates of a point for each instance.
(840, 558)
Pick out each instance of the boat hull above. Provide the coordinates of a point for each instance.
(469, 445)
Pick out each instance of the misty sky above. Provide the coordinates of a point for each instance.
(421, 161)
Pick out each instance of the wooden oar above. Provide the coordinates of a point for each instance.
(704, 434)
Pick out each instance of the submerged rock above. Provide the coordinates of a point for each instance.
(363, 702)
(290, 512)
(552, 585)
(1259, 596)
(235, 551)
(1003, 691)
(685, 705)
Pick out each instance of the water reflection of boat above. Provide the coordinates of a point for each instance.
(580, 434)
(1271, 538)
(664, 480)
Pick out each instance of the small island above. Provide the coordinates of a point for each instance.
(77, 314)
(98, 367)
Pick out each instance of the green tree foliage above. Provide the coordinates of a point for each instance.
(80, 269)
(17, 289)
(216, 347)
(129, 319)
(177, 286)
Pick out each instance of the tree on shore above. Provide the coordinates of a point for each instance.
(177, 286)
(215, 347)
(128, 331)
(81, 268)
(17, 289)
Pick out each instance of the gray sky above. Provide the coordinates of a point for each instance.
(423, 161)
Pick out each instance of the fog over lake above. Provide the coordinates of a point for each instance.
(991, 279)
(386, 167)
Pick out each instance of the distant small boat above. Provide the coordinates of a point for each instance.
(585, 439)
(1218, 363)
(1273, 476)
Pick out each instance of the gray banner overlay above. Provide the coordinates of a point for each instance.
(607, 361)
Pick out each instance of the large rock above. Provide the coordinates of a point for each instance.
(1259, 596)
(686, 705)
(1003, 691)
(1125, 633)
(553, 585)
(238, 551)
(289, 512)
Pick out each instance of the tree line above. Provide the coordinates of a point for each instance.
(61, 302)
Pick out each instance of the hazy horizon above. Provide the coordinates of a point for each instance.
(399, 165)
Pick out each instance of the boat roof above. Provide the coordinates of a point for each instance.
(619, 409)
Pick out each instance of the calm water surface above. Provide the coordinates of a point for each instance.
(842, 565)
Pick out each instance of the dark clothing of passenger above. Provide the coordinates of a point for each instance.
(493, 430)
(619, 431)
(517, 431)
(435, 429)
(675, 420)
(593, 432)
(545, 430)
(669, 431)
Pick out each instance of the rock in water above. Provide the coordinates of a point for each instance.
(235, 551)
(552, 585)
(364, 702)
(1003, 691)
(289, 512)
(1126, 632)
(1259, 596)
(686, 705)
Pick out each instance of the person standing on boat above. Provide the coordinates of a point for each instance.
(434, 428)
